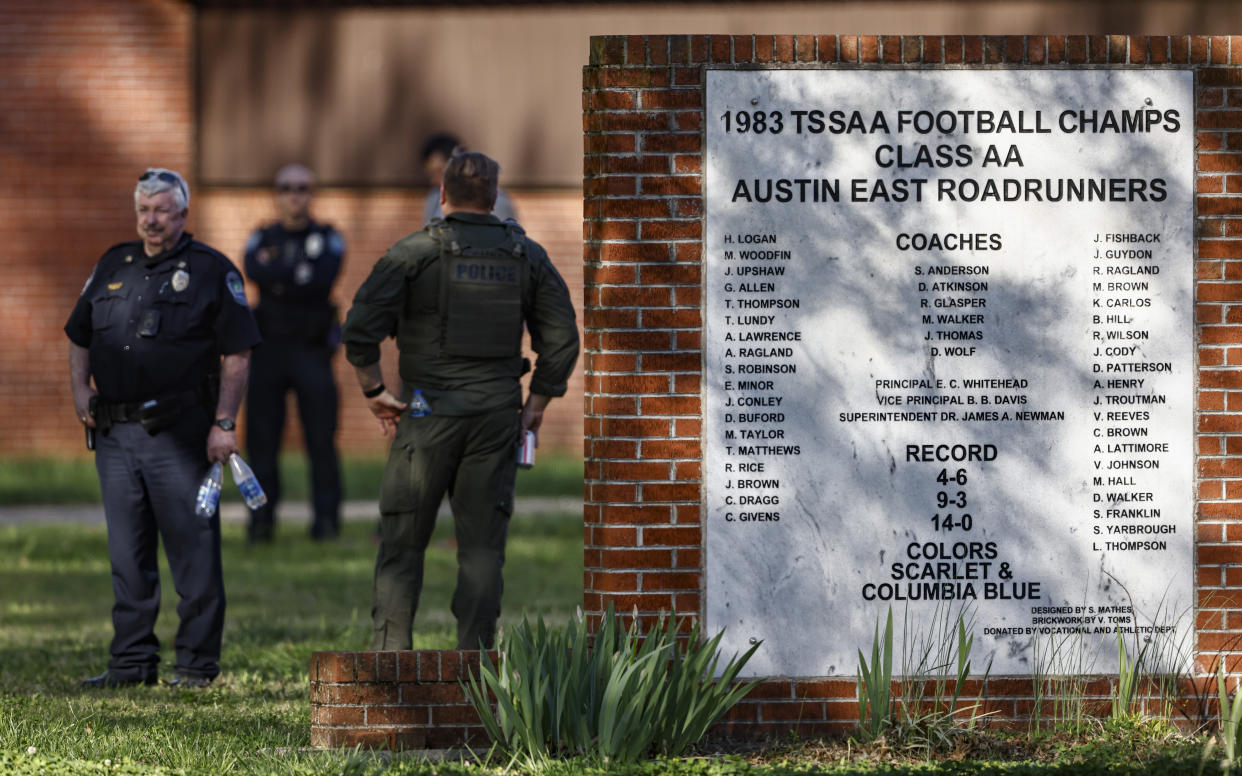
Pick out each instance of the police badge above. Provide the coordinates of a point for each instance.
(180, 280)
(314, 245)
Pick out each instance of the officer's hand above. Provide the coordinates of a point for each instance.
(532, 413)
(82, 404)
(221, 444)
(387, 408)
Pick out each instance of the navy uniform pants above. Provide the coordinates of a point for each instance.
(275, 369)
(474, 460)
(149, 484)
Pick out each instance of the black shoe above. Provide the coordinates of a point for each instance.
(192, 682)
(108, 681)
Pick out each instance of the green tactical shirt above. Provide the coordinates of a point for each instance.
(406, 281)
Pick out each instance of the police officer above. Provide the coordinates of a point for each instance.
(457, 294)
(295, 261)
(163, 327)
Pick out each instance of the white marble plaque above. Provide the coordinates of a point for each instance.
(949, 362)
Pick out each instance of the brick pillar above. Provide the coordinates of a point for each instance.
(643, 113)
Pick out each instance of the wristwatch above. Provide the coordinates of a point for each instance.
(226, 423)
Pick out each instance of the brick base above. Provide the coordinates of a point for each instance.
(413, 700)
(393, 700)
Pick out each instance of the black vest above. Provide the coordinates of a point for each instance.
(479, 308)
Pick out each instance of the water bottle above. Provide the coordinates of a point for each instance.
(246, 482)
(209, 492)
(418, 405)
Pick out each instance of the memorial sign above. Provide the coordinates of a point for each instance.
(949, 359)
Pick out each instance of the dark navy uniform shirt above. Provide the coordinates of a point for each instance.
(295, 278)
(158, 325)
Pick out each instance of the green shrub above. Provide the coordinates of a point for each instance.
(614, 697)
(1130, 672)
(935, 664)
(875, 683)
(1230, 734)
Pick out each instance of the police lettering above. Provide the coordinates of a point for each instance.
(487, 272)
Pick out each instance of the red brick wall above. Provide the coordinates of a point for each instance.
(414, 700)
(93, 93)
(393, 700)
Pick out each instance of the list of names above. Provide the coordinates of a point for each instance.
(948, 359)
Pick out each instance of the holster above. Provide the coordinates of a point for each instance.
(103, 418)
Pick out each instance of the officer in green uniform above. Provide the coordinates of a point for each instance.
(456, 295)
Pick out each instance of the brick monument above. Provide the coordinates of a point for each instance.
(851, 343)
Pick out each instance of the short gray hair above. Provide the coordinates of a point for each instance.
(157, 180)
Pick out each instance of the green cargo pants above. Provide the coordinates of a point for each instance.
(474, 460)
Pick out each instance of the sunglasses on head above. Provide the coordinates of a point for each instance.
(167, 177)
(293, 188)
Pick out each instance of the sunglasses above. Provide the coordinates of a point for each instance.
(167, 177)
(293, 188)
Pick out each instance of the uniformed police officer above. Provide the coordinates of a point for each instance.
(151, 326)
(295, 261)
(457, 294)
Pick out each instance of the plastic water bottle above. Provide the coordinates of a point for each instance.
(246, 482)
(209, 492)
(418, 405)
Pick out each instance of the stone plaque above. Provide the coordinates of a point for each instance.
(949, 363)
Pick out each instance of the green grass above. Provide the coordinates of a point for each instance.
(73, 480)
(285, 602)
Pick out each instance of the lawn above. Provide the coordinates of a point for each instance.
(285, 602)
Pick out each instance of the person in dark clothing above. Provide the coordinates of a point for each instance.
(436, 152)
(295, 262)
(457, 295)
(163, 327)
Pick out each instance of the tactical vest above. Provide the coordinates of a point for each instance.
(480, 300)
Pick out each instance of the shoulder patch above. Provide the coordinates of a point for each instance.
(336, 244)
(236, 287)
(256, 238)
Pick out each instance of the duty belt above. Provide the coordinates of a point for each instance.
(131, 412)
